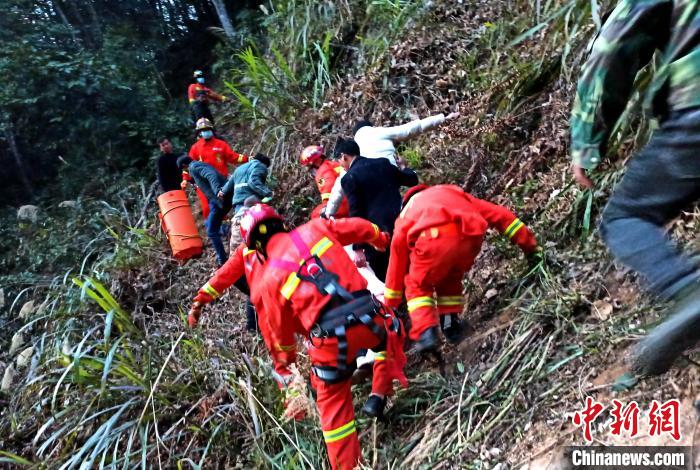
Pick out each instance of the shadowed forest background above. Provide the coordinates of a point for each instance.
(98, 367)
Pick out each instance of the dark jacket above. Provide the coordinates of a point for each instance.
(208, 180)
(248, 180)
(372, 188)
(169, 175)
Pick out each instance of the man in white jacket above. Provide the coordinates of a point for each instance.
(379, 142)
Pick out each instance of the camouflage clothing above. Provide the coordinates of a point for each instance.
(626, 43)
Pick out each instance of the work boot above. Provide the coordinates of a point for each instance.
(374, 407)
(453, 328)
(655, 354)
(428, 340)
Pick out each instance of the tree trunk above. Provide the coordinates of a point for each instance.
(12, 143)
(64, 20)
(96, 26)
(224, 18)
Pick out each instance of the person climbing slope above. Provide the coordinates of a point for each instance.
(325, 173)
(436, 240)
(199, 97)
(209, 182)
(372, 188)
(311, 288)
(380, 142)
(166, 167)
(664, 177)
(213, 151)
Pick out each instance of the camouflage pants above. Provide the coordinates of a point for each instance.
(661, 180)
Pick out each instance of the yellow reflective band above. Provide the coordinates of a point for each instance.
(211, 291)
(419, 302)
(192, 100)
(321, 247)
(392, 294)
(338, 169)
(285, 348)
(451, 300)
(325, 196)
(339, 433)
(247, 251)
(376, 231)
(380, 356)
(513, 228)
(241, 159)
(290, 286)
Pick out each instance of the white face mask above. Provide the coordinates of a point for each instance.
(206, 134)
(200, 79)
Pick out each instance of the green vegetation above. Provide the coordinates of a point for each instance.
(117, 380)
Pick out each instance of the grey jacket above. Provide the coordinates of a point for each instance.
(248, 180)
(207, 179)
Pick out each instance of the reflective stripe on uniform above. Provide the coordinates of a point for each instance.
(419, 302)
(321, 247)
(380, 356)
(241, 159)
(513, 228)
(392, 294)
(293, 280)
(247, 251)
(338, 169)
(290, 286)
(325, 196)
(285, 348)
(376, 232)
(450, 300)
(211, 291)
(339, 433)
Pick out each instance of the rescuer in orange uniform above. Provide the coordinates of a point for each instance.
(200, 96)
(311, 288)
(436, 239)
(325, 173)
(214, 151)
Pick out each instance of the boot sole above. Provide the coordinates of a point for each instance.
(656, 353)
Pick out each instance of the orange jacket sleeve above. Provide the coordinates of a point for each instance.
(354, 230)
(279, 360)
(234, 158)
(223, 278)
(192, 92)
(398, 264)
(506, 222)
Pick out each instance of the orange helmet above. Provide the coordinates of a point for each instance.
(412, 191)
(311, 154)
(253, 222)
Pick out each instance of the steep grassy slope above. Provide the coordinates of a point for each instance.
(116, 378)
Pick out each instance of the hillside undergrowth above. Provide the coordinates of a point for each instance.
(116, 379)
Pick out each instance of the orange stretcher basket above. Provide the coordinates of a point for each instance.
(178, 224)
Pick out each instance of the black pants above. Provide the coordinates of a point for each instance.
(378, 261)
(200, 109)
(662, 180)
(251, 315)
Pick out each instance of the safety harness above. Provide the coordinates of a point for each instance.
(344, 311)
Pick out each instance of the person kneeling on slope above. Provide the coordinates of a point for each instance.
(436, 239)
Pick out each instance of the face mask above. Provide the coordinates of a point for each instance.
(200, 80)
(206, 134)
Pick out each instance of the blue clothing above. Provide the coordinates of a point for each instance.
(662, 180)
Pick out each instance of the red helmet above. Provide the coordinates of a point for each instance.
(311, 155)
(412, 191)
(253, 220)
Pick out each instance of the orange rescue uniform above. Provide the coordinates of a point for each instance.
(436, 239)
(325, 177)
(293, 306)
(216, 153)
(197, 91)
